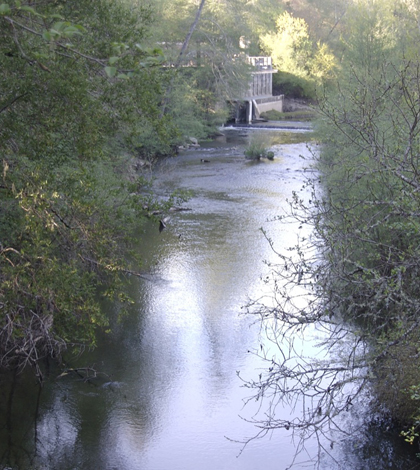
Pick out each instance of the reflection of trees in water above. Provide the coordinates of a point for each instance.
(318, 368)
(338, 277)
(47, 425)
(19, 437)
(378, 446)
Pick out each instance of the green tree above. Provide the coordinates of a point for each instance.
(293, 50)
(359, 269)
(211, 70)
(326, 19)
(79, 98)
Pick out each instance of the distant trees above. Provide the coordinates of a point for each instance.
(211, 70)
(290, 47)
(295, 52)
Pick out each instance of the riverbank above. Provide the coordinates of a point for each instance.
(286, 125)
(173, 361)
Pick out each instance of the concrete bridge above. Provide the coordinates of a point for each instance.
(259, 96)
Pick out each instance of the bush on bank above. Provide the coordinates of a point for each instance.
(359, 269)
(369, 166)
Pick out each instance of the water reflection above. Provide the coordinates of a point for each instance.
(171, 394)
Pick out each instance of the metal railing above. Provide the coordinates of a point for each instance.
(261, 62)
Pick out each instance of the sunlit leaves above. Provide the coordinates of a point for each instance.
(294, 51)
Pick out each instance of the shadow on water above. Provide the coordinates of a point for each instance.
(170, 393)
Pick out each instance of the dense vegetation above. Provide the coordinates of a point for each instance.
(70, 123)
(360, 268)
(370, 226)
(87, 89)
(89, 93)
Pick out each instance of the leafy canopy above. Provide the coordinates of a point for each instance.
(79, 100)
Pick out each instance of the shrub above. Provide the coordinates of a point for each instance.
(258, 146)
(292, 86)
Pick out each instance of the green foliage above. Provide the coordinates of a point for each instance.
(257, 148)
(326, 19)
(292, 86)
(303, 115)
(212, 70)
(291, 46)
(80, 96)
(356, 275)
(293, 50)
(370, 224)
(411, 434)
(195, 105)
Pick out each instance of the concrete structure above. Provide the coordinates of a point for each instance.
(259, 97)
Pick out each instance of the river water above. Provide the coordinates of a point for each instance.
(169, 396)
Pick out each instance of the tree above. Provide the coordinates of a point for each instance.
(326, 19)
(211, 70)
(77, 88)
(355, 275)
(293, 50)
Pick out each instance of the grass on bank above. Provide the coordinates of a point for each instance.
(301, 115)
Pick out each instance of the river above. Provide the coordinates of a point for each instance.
(169, 396)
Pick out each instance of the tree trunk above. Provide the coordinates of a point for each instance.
(181, 56)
